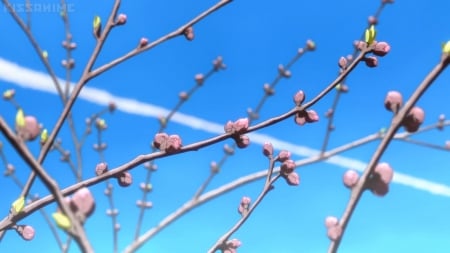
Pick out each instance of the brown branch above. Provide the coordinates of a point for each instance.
(395, 125)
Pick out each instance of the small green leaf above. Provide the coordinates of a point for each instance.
(370, 35)
(44, 135)
(18, 205)
(446, 47)
(62, 221)
(45, 54)
(20, 118)
(8, 94)
(97, 22)
(97, 26)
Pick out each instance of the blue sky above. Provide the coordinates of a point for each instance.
(253, 39)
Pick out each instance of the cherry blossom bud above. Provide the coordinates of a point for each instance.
(214, 167)
(310, 45)
(268, 149)
(143, 42)
(393, 101)
(385, 172)
(378, 187)
(268, 90)
(241, 125)
(331, 221)
(342, 63)
(350, 178)
(26, 232)
(372, 20)
(30, 130)
(244, 206)
(101, 168)
(292, 179)
(112, 106)
(287, 167)
(334, 232)
(84, 202)
(242, 141)
(414, 119)
(371, 61)
(173, 143)
(124, 179)
(199, 79)
(189, 33)
(299, 97)
(284, 155)
(183, 95)
(159, 140)
(381, 49)
(121, 19)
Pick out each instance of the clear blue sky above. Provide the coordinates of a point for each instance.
(253, 38)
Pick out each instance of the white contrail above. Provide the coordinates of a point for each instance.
(27, 78)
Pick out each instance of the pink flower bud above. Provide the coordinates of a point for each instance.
(342, 63)
(284, 155)
(268, 149)
(414, 119)
(199, 79)
(124, 179)
(287, 167)
(385, 172)
(334, 232)
(371, 61)
(331, 221)
(393, 101)
(31, 130)
(350, 178)
(183, 95)
(378, 187)
(268, 90)
(160, 140)
(101, 168)
(292, 179)
(26, 232)
(381, 49)
(241, 125)
(189, 33)
(173, 143)
(310, 45)
(242, 141)
(372, 20)
(299, 97)
(121, 19)
(84, 201)
(143, 42)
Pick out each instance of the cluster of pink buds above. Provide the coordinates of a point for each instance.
(237, 129)
(415, 117)
(334, 230)
(169, 144)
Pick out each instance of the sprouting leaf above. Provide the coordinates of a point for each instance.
(370, 35)
(20, 118)
(97, 26)
(62, 221)
(8, 94)
(18, 205)
(45, 54)
(446, 47)
(44, 135)
(338, 87)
